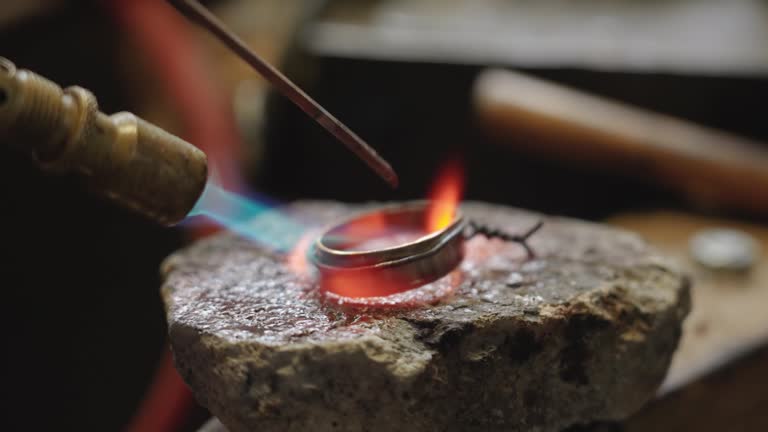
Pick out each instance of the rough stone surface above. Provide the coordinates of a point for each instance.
(583, 333)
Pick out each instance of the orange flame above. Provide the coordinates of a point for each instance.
(445, 195)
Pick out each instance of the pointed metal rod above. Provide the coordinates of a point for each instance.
(200, 15)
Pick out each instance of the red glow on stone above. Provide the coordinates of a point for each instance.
(428, 294)
(362, 283)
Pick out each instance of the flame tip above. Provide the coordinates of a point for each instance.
(445, 196)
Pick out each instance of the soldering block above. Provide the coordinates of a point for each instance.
(584, 332)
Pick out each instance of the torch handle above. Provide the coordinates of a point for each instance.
(122, 157)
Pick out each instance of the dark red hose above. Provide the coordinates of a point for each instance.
(167, 43)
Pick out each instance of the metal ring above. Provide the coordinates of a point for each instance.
(348, 267)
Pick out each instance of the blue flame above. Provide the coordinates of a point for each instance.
(256, 219)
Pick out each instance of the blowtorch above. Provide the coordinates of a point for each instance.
(122, 157)
(128, 160)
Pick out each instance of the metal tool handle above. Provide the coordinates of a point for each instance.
(200, 15)
(123, 157)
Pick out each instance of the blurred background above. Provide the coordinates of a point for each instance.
(648, 115)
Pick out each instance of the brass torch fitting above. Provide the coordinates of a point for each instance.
(128, 160)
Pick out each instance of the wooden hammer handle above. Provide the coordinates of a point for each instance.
(710, 167)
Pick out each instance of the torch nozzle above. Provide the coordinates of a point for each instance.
(128, 160)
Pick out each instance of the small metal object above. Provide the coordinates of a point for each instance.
(724, 249)
(521, 239)
(198, 13)
(386, 251)
(122, 157)
(348, 258)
